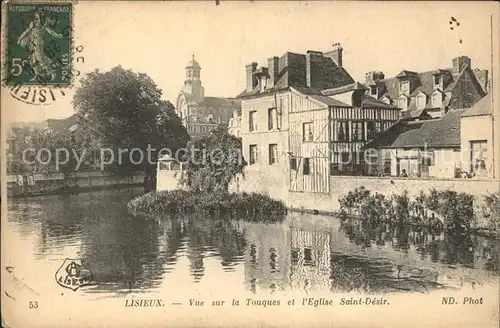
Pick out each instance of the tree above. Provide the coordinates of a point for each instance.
(214, 160)
(123, 110)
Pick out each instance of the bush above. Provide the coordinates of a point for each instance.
(251, 206)
(491, 210)
(456, 208)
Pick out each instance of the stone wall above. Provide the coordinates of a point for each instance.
(36, 184)
(340, 185)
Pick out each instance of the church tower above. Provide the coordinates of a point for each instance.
(192, 83)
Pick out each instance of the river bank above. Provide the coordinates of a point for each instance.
(28, 185)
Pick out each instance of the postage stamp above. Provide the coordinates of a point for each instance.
(250, 164)
(38, 43)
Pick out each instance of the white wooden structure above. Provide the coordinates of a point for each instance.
(169, 173)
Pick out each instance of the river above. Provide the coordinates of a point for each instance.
(305, 252)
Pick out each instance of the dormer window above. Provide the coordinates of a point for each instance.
(437, 99)
(437, 81)
(373, 90)
(404, 87)
(421, 101)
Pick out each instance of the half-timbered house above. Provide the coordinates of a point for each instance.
(303, 119)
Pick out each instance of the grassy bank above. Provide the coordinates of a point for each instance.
(223, 204)
(443, 209)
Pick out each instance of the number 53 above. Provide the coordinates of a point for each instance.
(33, 304)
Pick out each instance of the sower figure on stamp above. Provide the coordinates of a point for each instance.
(32, 40)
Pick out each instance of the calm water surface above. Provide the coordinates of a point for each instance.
(307, 252)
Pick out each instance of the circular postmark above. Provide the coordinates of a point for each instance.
(40, 55)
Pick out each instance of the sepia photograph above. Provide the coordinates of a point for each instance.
(250, 164)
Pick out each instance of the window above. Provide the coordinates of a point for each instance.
(271, 118)
(307, 132)
(175, 166)
(437, 80)
(373, 90)
(357, 131)
(370, 130)
(437, 100)
(342, 131)
(479, 156)
(293, 163)
(252, 121)
(306, 169)
(427, 160)
(253, 154)
(273, 154)
(374, 128)
(164, 166)
(341, 163)
(421, 100)
(308, 257)
(404, 87)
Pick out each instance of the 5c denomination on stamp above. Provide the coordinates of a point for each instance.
(38, 44)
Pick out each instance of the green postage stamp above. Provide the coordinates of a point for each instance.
(38, 43)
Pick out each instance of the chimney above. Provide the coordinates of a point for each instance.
(459, 63)
(251, 79)
(273, 71)
(336, 53)
(372, 77)
(312, 57)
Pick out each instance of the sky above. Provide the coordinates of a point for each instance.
(159, 38)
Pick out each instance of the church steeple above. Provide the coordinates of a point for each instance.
(192, 83)
(193, 69)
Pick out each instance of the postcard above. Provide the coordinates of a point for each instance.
(250, 164)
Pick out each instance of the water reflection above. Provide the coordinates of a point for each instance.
(304, 252)
(447, 247)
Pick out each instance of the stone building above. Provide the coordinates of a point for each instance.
(199, 113)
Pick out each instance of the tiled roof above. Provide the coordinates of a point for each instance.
(220, 102)
(329, 101)
(345, 88)
(292, 72)
(482, 107)
(413, 113)
(425, 84)
(405, 73)
(189, 98)
(435, 133)
(370, 102)
(61, 125)
(317, 95)
(482, 78)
